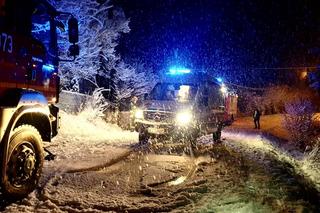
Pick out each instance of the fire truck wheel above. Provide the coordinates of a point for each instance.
(25, 161)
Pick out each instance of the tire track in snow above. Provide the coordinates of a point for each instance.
(53, 178)
(102, 166)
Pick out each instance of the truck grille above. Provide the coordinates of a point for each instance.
(156, 116)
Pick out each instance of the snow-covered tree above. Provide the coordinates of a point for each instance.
(298, 121)
(100, 26)
(99, 65)
(133, 80)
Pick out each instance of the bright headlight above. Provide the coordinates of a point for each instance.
(139, 114)
(184, 118)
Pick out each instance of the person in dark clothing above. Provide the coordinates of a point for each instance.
(216, 135)
(256, 118)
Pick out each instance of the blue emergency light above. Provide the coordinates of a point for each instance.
(47, 68)
(178, 71)
(220, 80)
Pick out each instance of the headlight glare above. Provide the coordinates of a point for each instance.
(184, 118)
(139, 114)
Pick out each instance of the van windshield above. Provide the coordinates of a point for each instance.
(173, 92)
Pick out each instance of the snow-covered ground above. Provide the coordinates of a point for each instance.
(274, 139)
(272, 171)
(97, 170)
(305, 164)
(138, 182)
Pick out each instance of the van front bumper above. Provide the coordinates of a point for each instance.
(158, 129)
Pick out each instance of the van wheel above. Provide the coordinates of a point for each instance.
(143, 137)
(202, 129)
(190, 142)
(25, 158)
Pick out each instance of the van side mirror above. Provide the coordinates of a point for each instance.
(60, 26)
(146, 96)
(73, 30)
(74, 50)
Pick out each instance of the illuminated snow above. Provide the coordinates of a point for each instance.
(95, 131)
(305, 164)
(178, 181)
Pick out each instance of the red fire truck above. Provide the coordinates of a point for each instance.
(29, 88)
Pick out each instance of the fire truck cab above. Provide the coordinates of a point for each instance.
(29, 89)
(183, 106)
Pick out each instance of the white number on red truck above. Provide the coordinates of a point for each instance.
(6, 43)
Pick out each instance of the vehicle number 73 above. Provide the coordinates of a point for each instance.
(6, 43)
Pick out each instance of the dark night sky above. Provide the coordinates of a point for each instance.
(224, 37)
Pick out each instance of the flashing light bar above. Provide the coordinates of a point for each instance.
(47, 68)
(220, 80)
(178, 71)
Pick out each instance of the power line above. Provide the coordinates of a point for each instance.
(221, 82)
(284, 68)
(245, 87)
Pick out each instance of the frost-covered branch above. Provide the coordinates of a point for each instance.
(98, 37)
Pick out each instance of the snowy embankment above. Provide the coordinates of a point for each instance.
(84, 143)
(94, 131)
(306, 165)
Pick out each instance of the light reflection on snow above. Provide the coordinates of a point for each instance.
(304, 163)
(178, 181)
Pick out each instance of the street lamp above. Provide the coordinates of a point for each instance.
(224, 89)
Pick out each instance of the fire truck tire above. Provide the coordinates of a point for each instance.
(25, 161)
